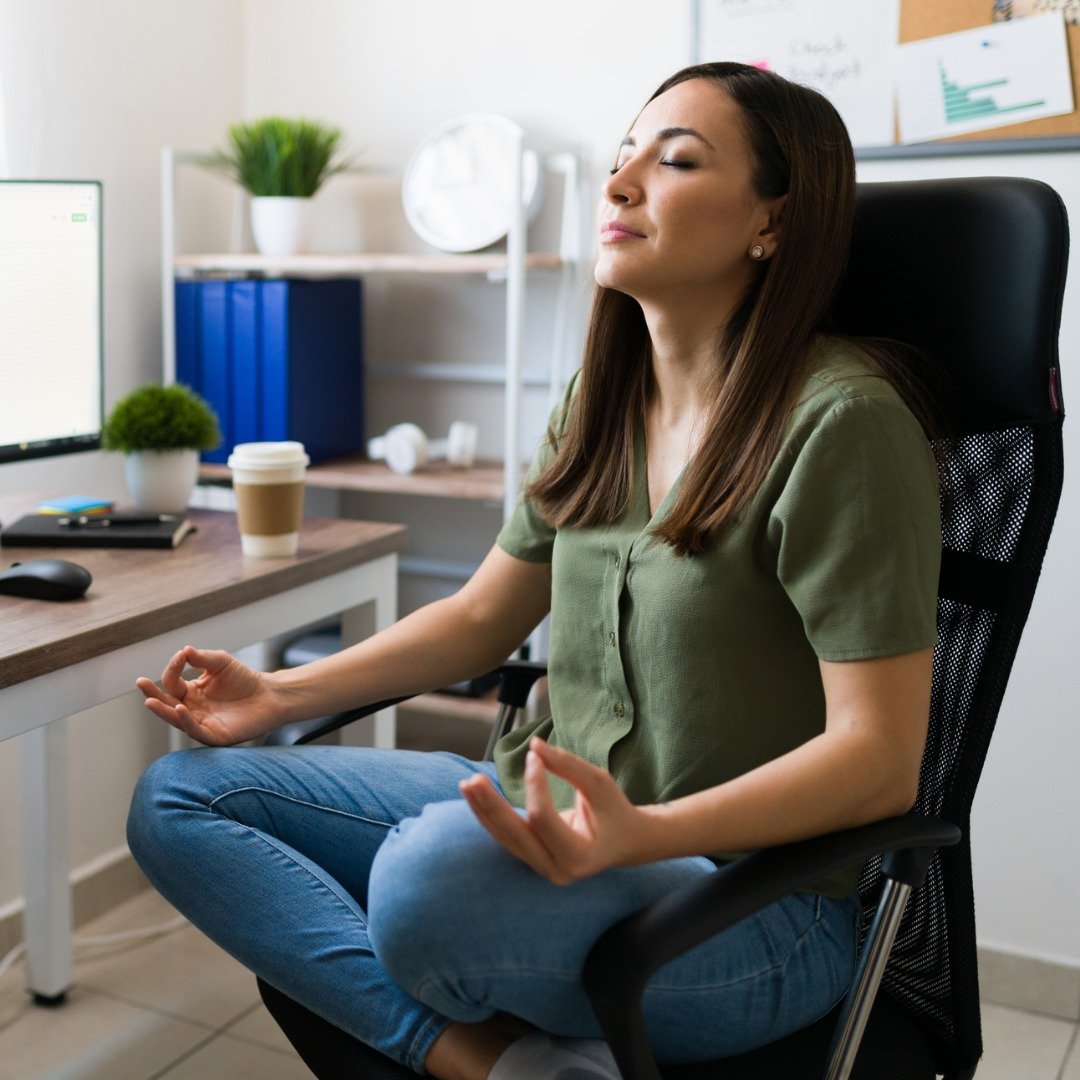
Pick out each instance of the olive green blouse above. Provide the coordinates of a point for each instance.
(679, 673)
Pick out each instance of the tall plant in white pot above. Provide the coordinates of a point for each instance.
(160, 431)
(282, 163)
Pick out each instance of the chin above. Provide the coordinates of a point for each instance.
(608, 277)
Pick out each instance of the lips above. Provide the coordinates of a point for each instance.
(611, 231)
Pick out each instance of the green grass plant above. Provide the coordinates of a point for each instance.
(159, 418)
(276, 156)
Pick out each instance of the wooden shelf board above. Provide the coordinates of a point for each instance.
(372, 263)
(482, 483)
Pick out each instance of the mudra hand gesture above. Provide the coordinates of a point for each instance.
(603, 829)
(228, 703)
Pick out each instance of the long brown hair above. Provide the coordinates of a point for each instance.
(801, 148)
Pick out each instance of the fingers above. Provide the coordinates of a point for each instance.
(210, 661)
(565, 846)
(171, 677)
(507, 826)
(587, 778)
(150, 689)
(179, 717)
(163, 711)
(539, 806)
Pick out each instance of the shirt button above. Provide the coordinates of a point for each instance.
(611, 638)
(620, 710)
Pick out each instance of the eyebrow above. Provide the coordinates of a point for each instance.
(671, 133)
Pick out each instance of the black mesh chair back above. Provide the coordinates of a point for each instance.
(971, 272)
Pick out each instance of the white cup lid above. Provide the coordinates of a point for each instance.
(267, 455)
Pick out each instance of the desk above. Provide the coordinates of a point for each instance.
(57, 659)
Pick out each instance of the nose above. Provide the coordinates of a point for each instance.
(622, 187)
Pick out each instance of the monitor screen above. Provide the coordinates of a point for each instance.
(50, 317)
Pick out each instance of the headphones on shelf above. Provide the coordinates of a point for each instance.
(405, 448)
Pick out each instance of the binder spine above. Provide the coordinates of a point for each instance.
(276, 354)
(245, 373)
(275, 359)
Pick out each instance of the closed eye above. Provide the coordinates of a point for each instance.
(673, 163)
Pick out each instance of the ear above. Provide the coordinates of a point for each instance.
(769, 236)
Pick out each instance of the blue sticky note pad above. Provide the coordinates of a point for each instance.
(74, 504)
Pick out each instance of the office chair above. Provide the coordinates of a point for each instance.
(971, 272)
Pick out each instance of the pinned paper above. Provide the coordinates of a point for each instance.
(844, 49)
(975, 80)
(1020, 9)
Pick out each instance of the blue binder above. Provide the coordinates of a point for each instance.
(276, 359)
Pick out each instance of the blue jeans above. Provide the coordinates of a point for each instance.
(359, 883)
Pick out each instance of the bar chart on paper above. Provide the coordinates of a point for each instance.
(984, 78)
(964, 103)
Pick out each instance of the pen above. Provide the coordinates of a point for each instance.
(94, 522)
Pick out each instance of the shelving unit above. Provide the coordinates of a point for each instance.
(509, 268)
(488, 482)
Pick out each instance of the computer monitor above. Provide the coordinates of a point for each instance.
(51, 370)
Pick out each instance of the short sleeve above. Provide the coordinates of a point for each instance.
(857, 532)
(525, 534)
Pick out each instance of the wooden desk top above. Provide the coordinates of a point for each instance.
(140, 592)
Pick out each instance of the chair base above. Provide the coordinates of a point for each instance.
(329, 1052)
(893, 1048)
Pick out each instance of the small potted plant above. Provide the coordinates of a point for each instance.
(160, 430)
(282, 163)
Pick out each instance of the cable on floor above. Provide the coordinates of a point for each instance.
(101, 939)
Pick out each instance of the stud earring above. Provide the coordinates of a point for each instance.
(757, 252)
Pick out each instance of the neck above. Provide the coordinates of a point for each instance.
(683, 338)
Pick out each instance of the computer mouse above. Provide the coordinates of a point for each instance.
(46, 579)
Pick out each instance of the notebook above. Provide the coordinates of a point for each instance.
(48, 530)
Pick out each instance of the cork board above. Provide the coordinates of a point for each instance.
(929, 18)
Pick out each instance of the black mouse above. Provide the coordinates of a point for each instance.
(46, 579)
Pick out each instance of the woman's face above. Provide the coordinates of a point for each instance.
(679, 215)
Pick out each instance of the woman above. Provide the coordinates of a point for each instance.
(734, 525)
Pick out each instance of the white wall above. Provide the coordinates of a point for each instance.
(388, 73)
(94, 91)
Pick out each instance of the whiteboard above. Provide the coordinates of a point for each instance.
(845, 49)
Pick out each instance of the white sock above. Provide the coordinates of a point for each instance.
(540, 1056)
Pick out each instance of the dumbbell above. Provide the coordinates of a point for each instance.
(405, 447)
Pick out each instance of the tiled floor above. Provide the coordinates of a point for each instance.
(178, 1008)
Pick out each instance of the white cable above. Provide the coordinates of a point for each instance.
(132, 935)
(11, 958)
(102, 939)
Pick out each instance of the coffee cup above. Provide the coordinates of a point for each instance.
(268, 481)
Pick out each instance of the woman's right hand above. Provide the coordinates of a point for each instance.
(228, 703)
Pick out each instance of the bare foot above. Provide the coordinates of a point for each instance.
(469, 1051)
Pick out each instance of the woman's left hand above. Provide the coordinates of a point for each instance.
(603, 829)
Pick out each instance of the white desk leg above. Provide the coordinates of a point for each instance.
(47, 920)
(357, 624)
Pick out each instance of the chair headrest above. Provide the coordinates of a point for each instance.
(972, 272)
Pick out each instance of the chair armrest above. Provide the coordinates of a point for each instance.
(516, 679)
(305, 731)
(625, 956)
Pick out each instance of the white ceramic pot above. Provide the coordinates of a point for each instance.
(278, 224)
(161, 481)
